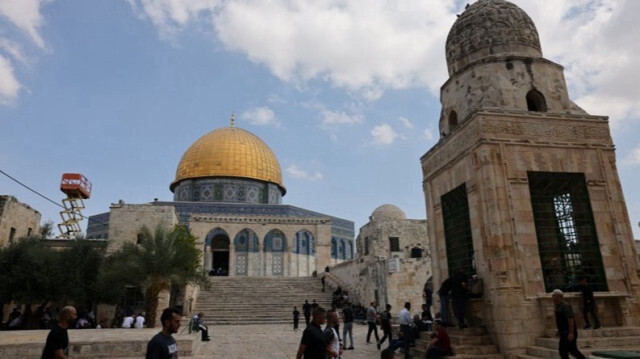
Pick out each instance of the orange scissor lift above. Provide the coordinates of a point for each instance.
(77, 188)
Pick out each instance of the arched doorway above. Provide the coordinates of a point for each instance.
(274, 248)
(218, 242)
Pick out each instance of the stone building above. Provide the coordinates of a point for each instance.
(522, 188)
(16, 220)
(228, 191)
(392, 265)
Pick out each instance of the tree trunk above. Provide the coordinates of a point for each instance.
(151, 305)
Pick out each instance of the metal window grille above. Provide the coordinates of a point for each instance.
(457, 230)
(567, 239)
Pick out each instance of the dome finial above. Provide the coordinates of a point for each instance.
(233, 119)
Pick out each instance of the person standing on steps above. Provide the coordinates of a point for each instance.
(566, 324)
(306, 309)
(588, 304)
(163, 345)
(459, 294)
(57, 345)
(372, 318)
(443, 293)
(323, 282)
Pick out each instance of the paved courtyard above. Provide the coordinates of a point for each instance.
(264, 341)
(272, 342)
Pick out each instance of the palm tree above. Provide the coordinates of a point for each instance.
(156, 262)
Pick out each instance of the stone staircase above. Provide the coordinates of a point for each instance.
(466, 343)
(589, 341)
(258, 300)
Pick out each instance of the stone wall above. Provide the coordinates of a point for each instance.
(125, 221)
(17, 220)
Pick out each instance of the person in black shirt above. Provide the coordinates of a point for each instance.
(296, 316)
(313, 344)
(443, 293)
(385, 323)
(566, 324)
(459, 293)
(588, 304)
(347, 312)
(306, 309)
(163, 345)
(57, 346)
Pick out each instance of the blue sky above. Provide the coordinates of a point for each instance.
(346, 93)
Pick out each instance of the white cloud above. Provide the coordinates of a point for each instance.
(633, 158)
(298, 173)
(25, 14)
(405, 122)
(171, 16)
(9, 85)
(334, 118)
(429, 134)
(260, 116)
(383, 134)
(369, 46)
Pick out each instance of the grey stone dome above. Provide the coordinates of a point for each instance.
(490, 28)
(387, 212)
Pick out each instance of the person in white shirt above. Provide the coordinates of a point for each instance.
(405, 325)
(334, 347)
(128, 321)
(139, 321)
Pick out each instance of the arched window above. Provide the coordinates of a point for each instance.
(536, 101)
(453, 120)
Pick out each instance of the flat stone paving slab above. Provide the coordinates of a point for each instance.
(264, 341)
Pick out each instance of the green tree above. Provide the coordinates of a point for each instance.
(158, 261)
(30, 273)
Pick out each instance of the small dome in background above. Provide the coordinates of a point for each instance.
(387, 212)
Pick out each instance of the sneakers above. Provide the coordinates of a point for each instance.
(598, 326)
(350, 348)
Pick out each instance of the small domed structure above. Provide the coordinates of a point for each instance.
(387, 212)
(490, 28)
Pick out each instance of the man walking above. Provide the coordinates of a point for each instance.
(405, 326)
(334, 347)
(371, 321)
(385, 324)
(313, 344)
(306, 309)
(57, 346)
(566, 324)
(347, 313)
(163, 345)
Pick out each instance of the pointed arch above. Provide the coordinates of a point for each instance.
(536, 101)
(245, 245)
(275, 244)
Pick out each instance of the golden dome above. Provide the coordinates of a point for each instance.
(229, 152)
